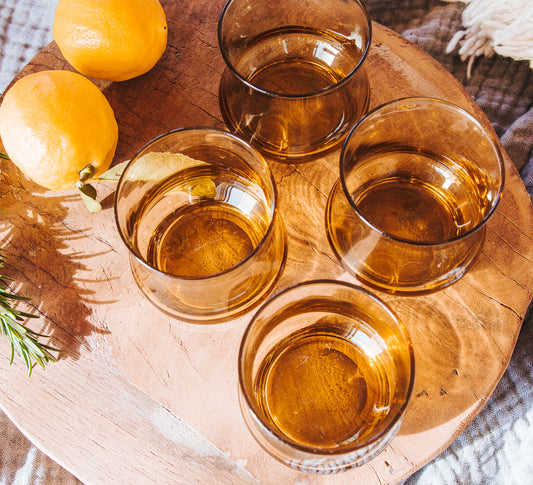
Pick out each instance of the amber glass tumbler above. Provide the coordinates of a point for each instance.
(326, 370)
(419, 180)
(295, 80)
(197, 210)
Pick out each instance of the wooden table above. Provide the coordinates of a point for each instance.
(138, 397)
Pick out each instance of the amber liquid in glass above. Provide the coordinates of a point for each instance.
(298, 61)
(435, 204)
(324, 388)
(209, 230)
(292, 62)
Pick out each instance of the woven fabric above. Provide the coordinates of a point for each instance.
(25, 27)
(497, 447)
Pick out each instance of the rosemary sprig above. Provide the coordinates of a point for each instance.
(23, 340)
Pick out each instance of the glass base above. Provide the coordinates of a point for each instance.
(292, 129)
(391, 265)
(202, 303)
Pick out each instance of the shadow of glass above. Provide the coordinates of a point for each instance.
(457, 361)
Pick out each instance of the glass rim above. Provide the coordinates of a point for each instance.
(356, 445)
(312, 94)
(426, 100)
(271, 225)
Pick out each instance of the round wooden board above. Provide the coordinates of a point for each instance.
(138, 397)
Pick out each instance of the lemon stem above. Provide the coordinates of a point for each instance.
(87, 191)
(86, 173)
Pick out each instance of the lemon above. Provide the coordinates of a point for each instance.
(111, 39)
(54, 124)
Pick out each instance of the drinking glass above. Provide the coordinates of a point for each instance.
(295, 81)
(196, 209)
(326, 370)
(419, 180)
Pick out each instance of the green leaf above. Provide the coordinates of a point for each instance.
(153, 166)
(88, 190)
(88, 195)
(4, 156)
(114, 172)
(202, 187)
(160, 165)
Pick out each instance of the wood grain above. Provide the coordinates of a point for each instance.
(138, 397)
